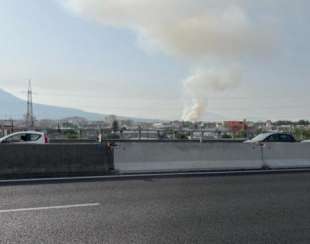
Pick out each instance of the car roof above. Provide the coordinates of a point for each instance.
(274, 133)
(21, 132)
(27, 131)
(269, 133)
(264, 136)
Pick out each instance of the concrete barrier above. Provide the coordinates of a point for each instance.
(21, 160)
(73, 141)
(172, 156)
(51, 160)
(286, 155)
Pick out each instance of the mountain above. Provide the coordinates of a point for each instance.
(12, 106)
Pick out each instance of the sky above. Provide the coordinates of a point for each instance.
(165, 59)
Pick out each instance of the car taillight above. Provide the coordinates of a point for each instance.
(45, 139)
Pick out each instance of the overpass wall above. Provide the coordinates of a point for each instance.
(97, 159)
(286, 155)
(21, 160)
(171, 156)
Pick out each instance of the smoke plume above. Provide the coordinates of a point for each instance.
(203, 81)
(198, 31)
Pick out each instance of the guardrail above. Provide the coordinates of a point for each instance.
(143, 140)
(170, 156)
(51, 160)
(72, 141)
(81, 159)
(286, 155)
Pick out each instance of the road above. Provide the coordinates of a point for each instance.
(223, 209)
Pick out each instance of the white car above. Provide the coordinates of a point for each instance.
(272, 137)
(28, 137)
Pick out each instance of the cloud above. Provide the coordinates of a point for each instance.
(189, 28)
(198, 31)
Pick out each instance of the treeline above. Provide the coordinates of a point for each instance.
(287, 122)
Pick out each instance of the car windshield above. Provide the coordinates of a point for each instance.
(260, 137)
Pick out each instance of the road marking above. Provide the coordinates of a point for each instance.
(50, 207)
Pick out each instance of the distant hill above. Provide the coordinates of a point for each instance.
(12, 106)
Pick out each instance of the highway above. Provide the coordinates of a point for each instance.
(222, 209)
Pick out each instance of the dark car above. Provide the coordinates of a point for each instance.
(272, 137)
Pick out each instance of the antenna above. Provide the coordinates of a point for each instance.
(29, 115)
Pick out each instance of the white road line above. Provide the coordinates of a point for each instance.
(50, 207)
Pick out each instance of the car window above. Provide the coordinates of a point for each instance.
(260, 137)
(272, 138)
(16, 138)
(286, 138)
(33, 137)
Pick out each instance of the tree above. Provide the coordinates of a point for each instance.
(306, 134)
(241, 134)
(298, 133)
(226, 136)
(181, 136)
(71, 134)
(303, 122)
(112, 136)
(283, 122)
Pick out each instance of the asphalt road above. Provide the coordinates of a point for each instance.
(223, 209)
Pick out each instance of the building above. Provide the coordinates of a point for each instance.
(236, 126)
(6, 127)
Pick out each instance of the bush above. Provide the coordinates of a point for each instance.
(112, 136)
(71, 134)
(226, 136)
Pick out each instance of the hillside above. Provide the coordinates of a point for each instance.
(12, 106)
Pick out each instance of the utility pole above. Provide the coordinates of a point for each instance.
(29, 115)
(12, 125)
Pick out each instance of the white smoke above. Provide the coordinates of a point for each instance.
(195, 112)
(199, 28)
(203, 81)
(199, 31)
